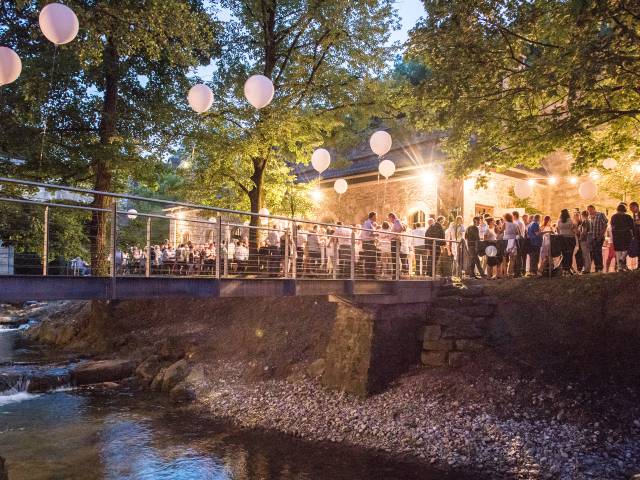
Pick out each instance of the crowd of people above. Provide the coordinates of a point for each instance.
(510, 246)
(579, 242)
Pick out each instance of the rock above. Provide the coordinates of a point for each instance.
(110, 385)
(197, 375)
(432, 332)
(445, 317)
(458, 359)
(102, 371)
(316, 369)
(485, 301)
(463, 330)
(440, 345)
(469, 345)
(174, 374)
(45, 381)
(148, 369)
(182, 392)
(434, 359)
(156, 383)
(452, 302)
(476, 310)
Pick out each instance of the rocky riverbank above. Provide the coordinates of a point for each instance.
(492, 416)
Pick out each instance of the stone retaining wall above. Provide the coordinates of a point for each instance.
(457, 327)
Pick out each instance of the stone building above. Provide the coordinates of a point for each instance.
(418, 188)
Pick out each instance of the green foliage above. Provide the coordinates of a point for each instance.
(323, 58)
(525, 78)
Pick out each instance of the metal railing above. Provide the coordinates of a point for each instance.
(175, 238)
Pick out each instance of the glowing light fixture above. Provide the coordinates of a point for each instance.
(492, 184)
(636, 167)
(594, 174)
(552, 180)
(531, 182)
(573, 180)
(315, 195)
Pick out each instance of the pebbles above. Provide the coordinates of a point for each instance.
(406, 421)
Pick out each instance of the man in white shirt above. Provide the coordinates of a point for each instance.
(419, 249)
(396, 227)
(343, 237)
(368, 238)
(454, 235)
(242, 256)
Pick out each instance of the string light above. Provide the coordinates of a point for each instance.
(573, 180)
(552, 180)
(316, 194)
(595, 175)
(492, 184)
(636, 167)
(531, 181)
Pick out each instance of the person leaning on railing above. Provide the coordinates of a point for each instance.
(368, 238)
(435, 231)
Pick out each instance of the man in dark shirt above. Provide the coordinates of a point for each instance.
(472, 235)
(435, 231)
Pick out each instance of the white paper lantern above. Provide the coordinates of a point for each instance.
(588, 190)
(320, 160)
(340, 186)
(491, 251)
(10, 66)
(200, 98)
(609, 163)
(522, 189)
(58, 23)
(132, 214)
(259, 91)
(380, 142)
(386, 168)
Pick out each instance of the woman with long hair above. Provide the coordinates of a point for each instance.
(566, 230)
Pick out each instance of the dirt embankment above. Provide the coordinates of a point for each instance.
(274, 338)
(578, 328)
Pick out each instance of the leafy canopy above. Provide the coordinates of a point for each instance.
(512, 81)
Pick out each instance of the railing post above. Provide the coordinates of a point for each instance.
(286, 252)
(336, 260)
(397, 259)
(45, 245)
(294, 232)
(433, 260)
(352, 273)
(147, 268)
(219, 246)
(114, 246)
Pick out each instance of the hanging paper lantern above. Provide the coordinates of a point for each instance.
(522, 189)
(386, 168)
(491, 251)
(588, 190)
(200, 98)
(380, 142)
(320, 160)
(609, 163)
(259, 91)
(340, 186)
(132, 214)
(58, 23)
(10, 66)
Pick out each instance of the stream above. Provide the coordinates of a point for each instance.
(120, 433)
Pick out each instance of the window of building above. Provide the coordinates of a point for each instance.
(483, 209)
(418, 217)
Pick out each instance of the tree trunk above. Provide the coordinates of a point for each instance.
(256, 198)
(103, 175)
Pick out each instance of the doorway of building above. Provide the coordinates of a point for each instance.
(481, 210)
(418, 217)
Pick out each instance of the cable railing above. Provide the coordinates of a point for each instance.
(181, 239)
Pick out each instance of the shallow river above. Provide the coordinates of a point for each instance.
(116, 434)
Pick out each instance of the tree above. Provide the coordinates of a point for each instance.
(512, 81)
(323, 57)
(117, 96)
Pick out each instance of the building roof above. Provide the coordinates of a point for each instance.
(417, 150)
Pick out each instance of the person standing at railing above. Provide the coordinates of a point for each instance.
(599, 223)
(343, 237)
(419, 248)
(396, 228)
(406, 247)
(368, 238)
(273, 249)
(454, 235)
(622, 233)
(472, 236)
(313, 250)
(301, 242)
(435, 231)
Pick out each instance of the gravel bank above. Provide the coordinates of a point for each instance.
(502, 438)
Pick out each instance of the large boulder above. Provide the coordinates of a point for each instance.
(102, 371)
(174, 374)
(149, 369)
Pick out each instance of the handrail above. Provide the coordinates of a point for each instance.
(187, 205)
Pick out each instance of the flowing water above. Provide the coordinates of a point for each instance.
(120, 434)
